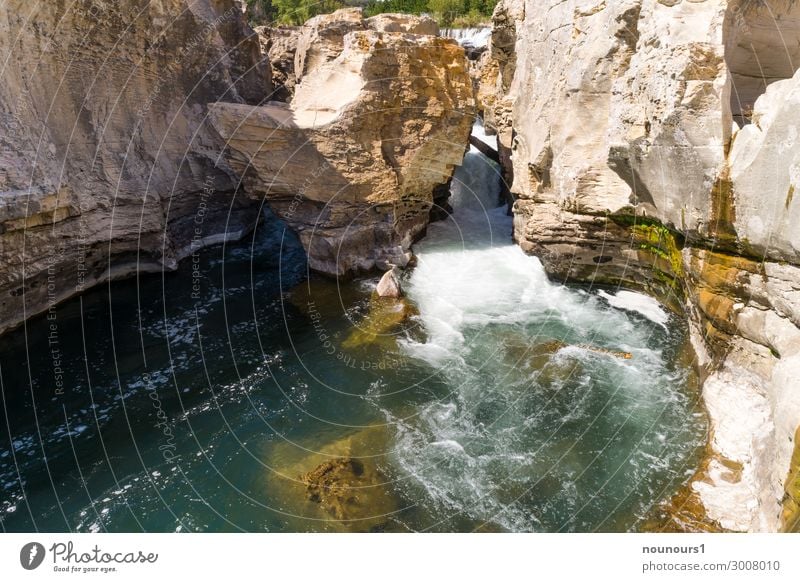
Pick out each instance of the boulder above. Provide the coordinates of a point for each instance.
(389, 285)
(352, 163)
(321, 39)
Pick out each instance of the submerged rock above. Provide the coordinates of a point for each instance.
(385, 317)
(340, 487)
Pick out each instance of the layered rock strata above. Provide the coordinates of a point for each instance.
(353, 162)
(654, 145)
(107, 166)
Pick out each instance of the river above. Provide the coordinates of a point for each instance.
(493, 400)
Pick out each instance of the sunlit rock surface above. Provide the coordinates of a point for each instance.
(353, 162)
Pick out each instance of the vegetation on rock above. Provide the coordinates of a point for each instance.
(448, 13)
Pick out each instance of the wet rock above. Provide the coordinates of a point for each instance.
(336, 485)
(324, 296)
(340, 486)
(389, 285)
(381, 325)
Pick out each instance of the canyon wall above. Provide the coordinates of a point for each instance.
(379, 119)
(107, 164)
(654, 144)
(110, 164)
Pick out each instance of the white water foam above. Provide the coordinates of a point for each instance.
(488, 442)
(639, 303)
(479, 131)
(474, 37)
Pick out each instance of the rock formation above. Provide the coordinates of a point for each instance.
(321, 39)
(403, 23)
(654, 144)
(339, 484)
(107, 166)
(389, 285)
(280, 45)
(353, 162)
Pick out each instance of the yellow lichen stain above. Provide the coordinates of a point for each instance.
(723, 210)
(723, 273)
(718, 308)
(790, 516)
(789, 196)
(660, 241)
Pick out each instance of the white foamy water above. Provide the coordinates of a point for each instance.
(534, 389)
(639, 303)
(474, 37)
(479, 131)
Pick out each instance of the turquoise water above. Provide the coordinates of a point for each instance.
(493, 407)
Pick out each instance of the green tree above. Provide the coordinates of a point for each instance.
(374, 7)
(260, 12)
(298, 11)
(447, 11)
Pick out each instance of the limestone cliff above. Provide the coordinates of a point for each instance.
(654, 144)
(107, 166)
(352, 163)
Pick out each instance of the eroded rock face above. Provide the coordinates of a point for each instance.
(352, 163)
(280, 44)
(403, 23)
(321, 39)
(495, 73)
(650, 149)
(765, 174)
(106, 160)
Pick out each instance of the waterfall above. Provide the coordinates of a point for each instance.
(473, 37)
(478, 219)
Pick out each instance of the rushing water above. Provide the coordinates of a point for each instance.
(494, 407)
